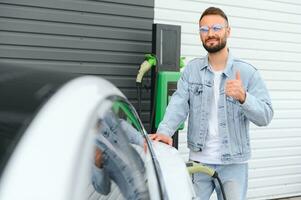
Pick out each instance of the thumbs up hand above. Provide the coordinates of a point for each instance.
(234, 88)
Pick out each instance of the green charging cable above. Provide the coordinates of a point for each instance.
(194, 167)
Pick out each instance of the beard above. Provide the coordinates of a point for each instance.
(215, 48)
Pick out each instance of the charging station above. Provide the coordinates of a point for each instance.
(166, 45)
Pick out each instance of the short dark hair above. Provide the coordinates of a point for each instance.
(214, 11)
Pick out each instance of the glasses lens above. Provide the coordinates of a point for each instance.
(204, 29)
(217, 27)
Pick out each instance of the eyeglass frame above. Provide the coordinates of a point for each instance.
(218, 26)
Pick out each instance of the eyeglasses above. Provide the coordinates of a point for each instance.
(215, 28)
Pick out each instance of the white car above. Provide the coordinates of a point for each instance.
(66, 137)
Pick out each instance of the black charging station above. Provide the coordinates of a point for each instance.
(166, 45)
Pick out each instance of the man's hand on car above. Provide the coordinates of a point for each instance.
(161, 138)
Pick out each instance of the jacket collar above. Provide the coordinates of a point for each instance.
(228, 69)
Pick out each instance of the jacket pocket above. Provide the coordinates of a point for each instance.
(194, 140)
(195, 95)
(244, 127)
(234, 109)
(194, 137)
(234, 115)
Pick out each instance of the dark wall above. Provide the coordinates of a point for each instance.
(104, 38)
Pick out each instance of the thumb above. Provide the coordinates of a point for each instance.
(237, 75)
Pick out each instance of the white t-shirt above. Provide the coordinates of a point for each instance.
(211, 154)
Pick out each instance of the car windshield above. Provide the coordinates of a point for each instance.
(23, 91)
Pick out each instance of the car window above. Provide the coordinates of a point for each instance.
(119, 166)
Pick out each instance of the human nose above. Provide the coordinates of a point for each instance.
(210, 31)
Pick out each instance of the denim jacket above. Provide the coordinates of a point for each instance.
(194, 97)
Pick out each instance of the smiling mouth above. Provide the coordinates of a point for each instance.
(211, 40)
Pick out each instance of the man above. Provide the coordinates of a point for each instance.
(221, 94)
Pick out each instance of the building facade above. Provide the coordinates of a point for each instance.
(104, 38)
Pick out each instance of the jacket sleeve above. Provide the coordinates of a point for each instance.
(257, 106)
(101, 181)
(178, 106)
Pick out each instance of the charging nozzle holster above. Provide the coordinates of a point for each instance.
(148, 63)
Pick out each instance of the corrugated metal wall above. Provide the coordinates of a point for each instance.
(107, 38)
(268, 35)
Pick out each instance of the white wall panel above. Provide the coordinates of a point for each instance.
(267, 34)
